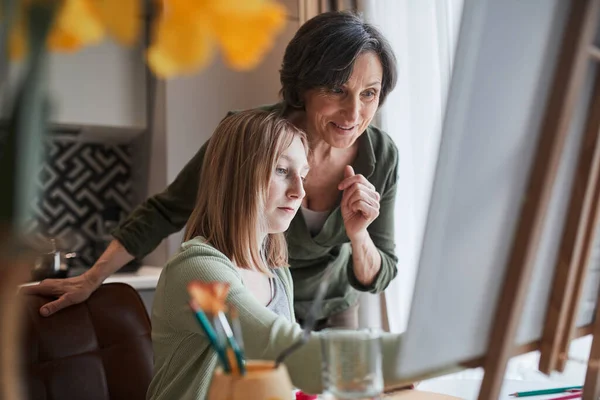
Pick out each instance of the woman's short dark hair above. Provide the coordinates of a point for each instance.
(323, 52)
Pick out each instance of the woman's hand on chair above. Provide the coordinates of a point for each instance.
(69, 291)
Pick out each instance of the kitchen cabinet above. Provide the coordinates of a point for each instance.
(99, 86)
(96, 89)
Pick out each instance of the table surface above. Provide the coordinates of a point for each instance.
(408, 395)
(145, 278)
(419, 395)
(468, 389)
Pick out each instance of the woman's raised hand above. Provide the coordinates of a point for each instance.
(360, 203)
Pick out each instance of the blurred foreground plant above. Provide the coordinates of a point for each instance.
(185, 35)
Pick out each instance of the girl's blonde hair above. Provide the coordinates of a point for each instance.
(234, 182)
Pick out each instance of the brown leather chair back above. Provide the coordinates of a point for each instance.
(100, 349)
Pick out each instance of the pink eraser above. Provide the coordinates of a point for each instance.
(303, 396)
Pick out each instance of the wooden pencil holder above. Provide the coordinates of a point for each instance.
(261, 381)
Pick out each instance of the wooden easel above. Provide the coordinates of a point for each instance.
(577, 50)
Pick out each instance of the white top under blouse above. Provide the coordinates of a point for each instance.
(314, 220)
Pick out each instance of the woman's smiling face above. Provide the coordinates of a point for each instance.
(340, 115)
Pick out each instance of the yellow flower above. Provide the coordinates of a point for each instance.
(122, 19)
(187, 31)
(77, 24)
(81, 23)
(17, 44)
(85, 22)
(182, 39)
(247, 33)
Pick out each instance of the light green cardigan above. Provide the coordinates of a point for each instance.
(183, 360)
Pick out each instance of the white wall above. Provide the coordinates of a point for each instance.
(193, 106)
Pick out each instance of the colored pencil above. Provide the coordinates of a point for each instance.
(570, 396)
(546, 391)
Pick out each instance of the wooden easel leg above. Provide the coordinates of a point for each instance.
(590, 229)
(588, 225)
(568, 78)
(575, 247)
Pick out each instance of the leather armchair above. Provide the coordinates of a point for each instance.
(100, 349)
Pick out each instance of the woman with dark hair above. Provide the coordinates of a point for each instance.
(336, 73)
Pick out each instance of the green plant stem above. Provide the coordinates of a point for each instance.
(8, 8)
(20, 151)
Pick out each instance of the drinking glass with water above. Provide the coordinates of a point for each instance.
(352, 363)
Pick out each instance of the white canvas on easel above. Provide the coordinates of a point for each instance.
(505, 60)
(486, 147)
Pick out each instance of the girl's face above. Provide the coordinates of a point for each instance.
(286, 189)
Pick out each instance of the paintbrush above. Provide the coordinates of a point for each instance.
(211, 298)
(211, 335)
(220, 319)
